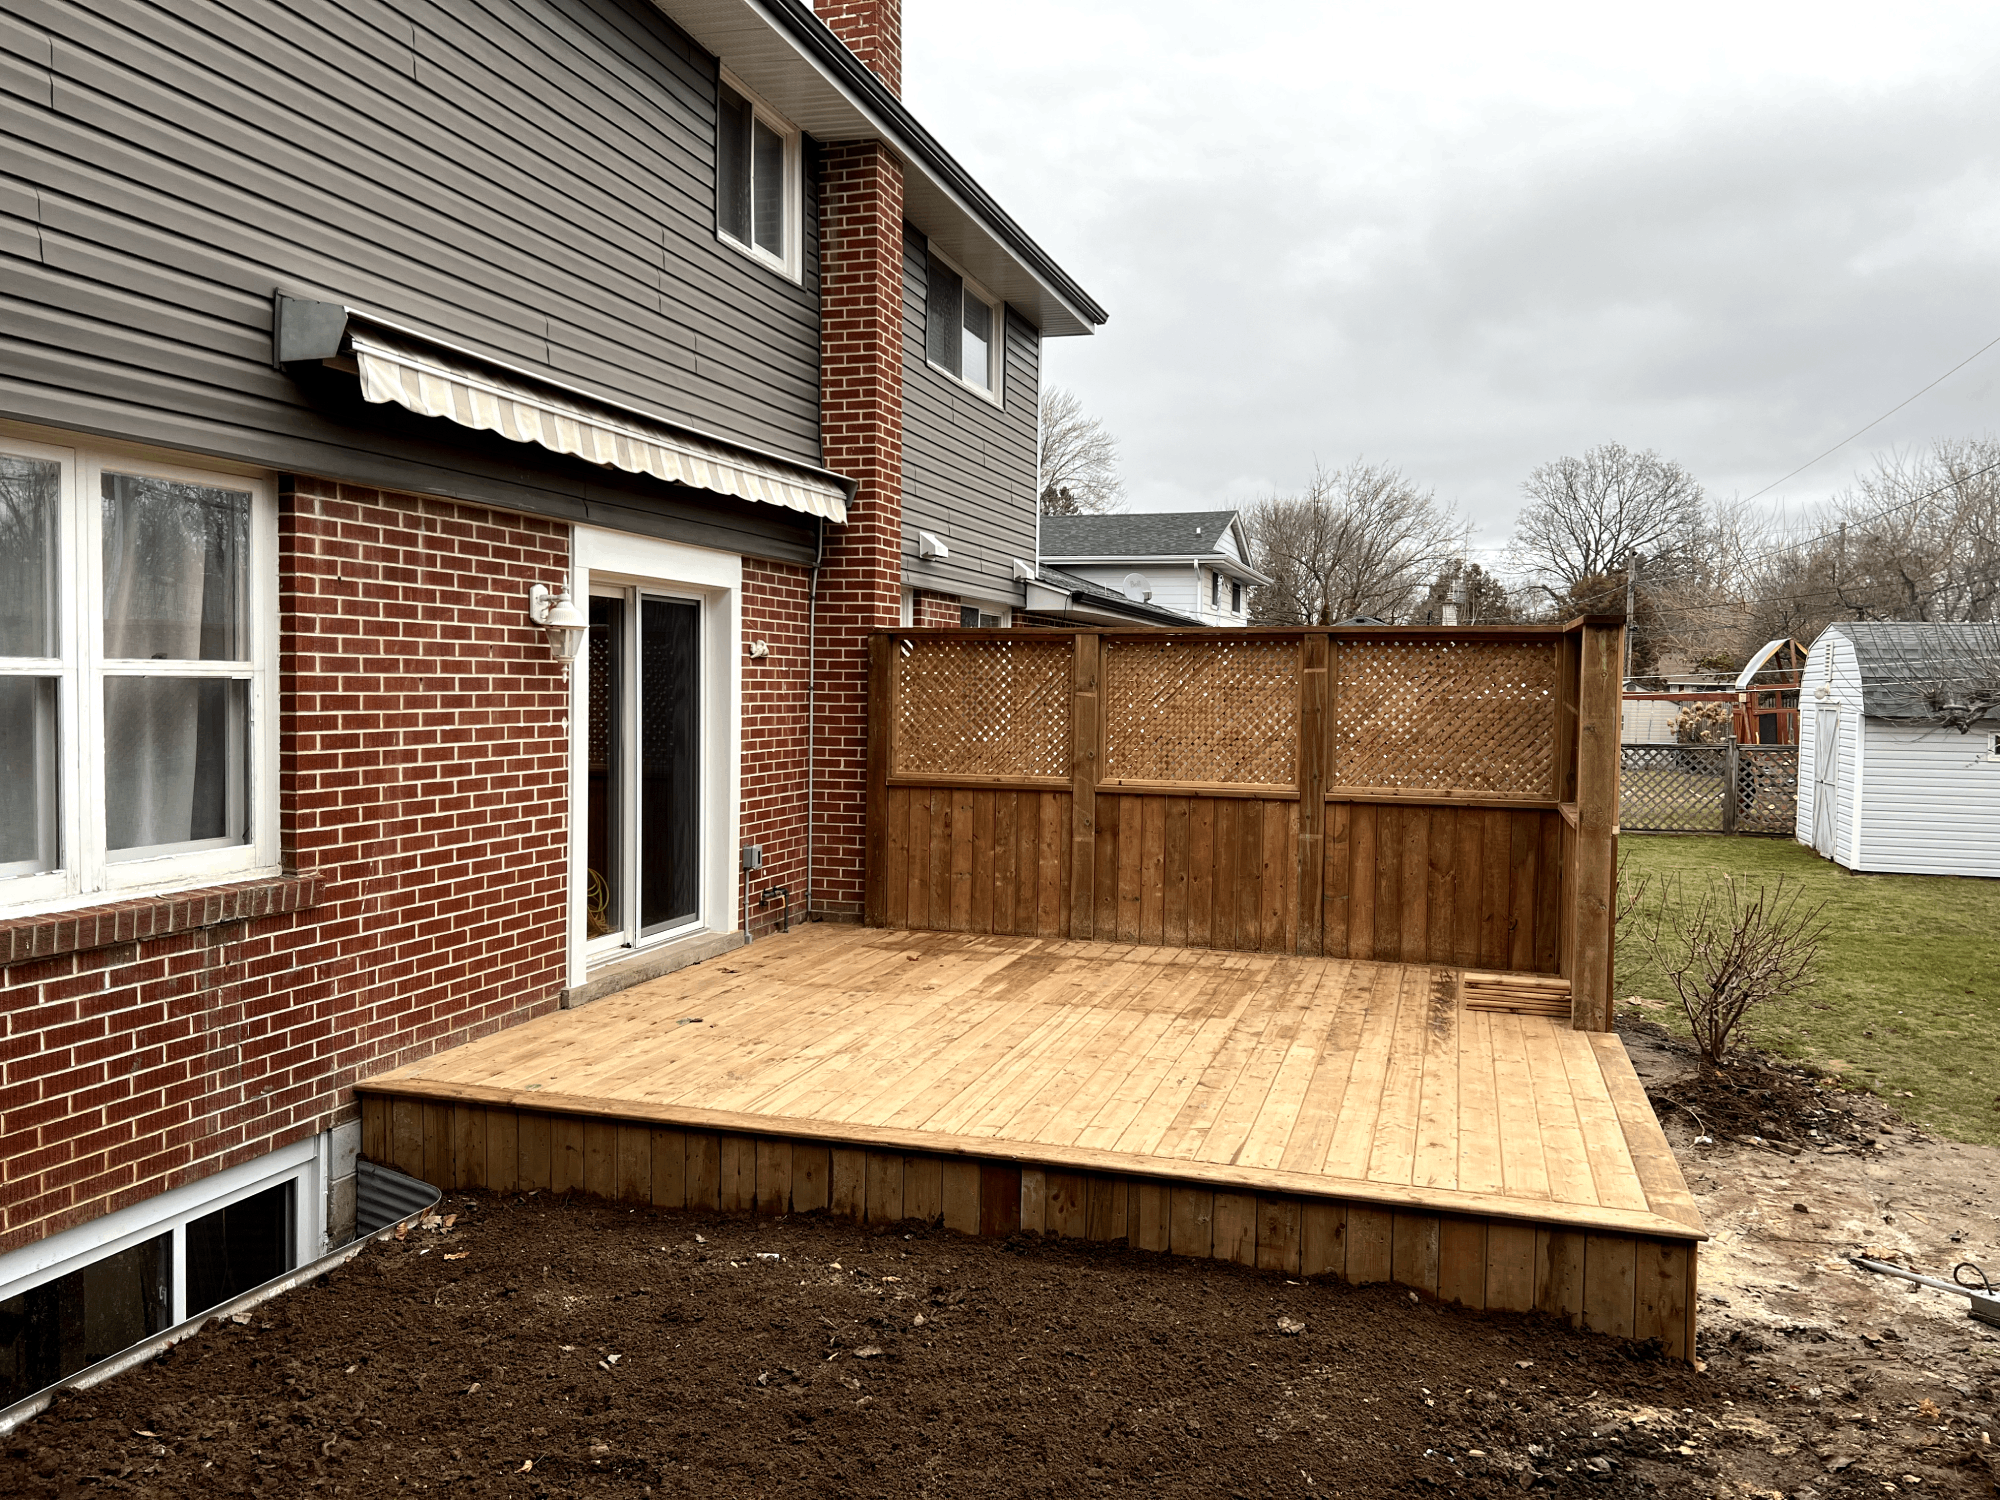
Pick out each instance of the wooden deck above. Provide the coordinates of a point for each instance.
(1323, 1115)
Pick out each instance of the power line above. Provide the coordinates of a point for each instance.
(1879, 420)
(1796, 543)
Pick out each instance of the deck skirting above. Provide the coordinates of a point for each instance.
(1628, 1284)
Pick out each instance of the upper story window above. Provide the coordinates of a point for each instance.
(758, 184)
(963, 327)
(1215, 591)
(1235, 597)
(137, 706)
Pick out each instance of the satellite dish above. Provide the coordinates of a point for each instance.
(1137, 588)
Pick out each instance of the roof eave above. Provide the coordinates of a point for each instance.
(1221, 561)
(811, 78)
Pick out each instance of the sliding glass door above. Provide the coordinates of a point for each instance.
(642, 818)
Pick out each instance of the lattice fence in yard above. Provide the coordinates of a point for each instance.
(1708, 789)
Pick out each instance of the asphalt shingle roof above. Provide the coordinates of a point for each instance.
(1898, 660)
(1173, 533)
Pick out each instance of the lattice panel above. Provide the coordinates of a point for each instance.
(1673, 788)
(1767, 788)
(1460, 716)
(982, 707)
(1201, 710)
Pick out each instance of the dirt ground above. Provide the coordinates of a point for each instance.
(550, 1347)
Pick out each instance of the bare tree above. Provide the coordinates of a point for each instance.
(1585, 517)
(1362, 540)
(1078, 458)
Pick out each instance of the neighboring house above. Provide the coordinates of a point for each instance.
(331, 333)
(1899, 748)
(1195, 563)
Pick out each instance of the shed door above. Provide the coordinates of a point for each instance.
(1826, 763)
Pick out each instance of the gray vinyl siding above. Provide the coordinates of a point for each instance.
(968, 465)
(530, 178)
(1933, 801)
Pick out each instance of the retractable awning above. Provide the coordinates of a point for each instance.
(434, 383)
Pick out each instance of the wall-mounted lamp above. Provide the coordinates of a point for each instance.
(564, 622)
(758, 650)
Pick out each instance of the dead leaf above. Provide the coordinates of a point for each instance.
(403, 1230)
(449, 1220)
(457, 1254)
(526, 1464)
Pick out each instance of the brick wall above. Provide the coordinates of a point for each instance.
(935, 611)
(873, 31)
(861, 401)
(422, 788)
(774, 737)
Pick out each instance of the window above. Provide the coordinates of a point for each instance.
(643, 815)
(1235, 598)
(136, 637)
(757, 180)
(963, 327)
(970, 618)
(1215, 591)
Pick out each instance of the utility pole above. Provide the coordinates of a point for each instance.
(1631, 572)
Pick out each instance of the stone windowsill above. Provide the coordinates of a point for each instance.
(131, 919)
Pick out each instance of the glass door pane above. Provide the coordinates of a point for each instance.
(604, 773)
(670, 767)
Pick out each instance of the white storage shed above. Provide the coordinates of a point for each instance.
(1899, 748)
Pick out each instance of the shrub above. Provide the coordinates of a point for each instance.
(1728, 951)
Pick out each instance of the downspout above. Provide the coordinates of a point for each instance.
(812, 677)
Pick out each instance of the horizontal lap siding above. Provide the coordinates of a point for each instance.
(968, 466)
(529, 177)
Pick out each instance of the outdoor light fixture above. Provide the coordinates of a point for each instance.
(564, 622)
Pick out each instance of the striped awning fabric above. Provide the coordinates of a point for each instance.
(436, 384)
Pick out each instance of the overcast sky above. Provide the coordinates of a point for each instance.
(1466, 239)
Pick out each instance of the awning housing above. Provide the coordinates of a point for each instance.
(435, 379)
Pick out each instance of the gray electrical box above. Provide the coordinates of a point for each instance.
(753, 856)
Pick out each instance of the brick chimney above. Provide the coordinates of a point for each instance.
(873, 31)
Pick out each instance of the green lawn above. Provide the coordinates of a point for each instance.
(1908, 994)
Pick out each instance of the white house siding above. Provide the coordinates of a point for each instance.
(1649, 721)
(1933, 799)
(1174, 587)
(1831, 665)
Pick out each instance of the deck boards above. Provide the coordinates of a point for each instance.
(1220, 1068)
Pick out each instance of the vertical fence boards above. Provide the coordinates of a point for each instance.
(1406, 874)
(1625, 1285)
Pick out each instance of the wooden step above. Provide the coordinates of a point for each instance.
(1515, 994)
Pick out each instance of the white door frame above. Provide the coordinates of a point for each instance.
(715, 579)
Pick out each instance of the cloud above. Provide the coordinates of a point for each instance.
(1465, 241)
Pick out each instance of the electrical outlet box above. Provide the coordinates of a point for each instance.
(753, 856)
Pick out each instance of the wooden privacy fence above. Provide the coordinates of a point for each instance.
(1419, 795)
(1729, 788)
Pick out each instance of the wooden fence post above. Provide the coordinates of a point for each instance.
(1313, 732)
(881, 716)
(1084, 740)
(1593, 896)
(1732, 795)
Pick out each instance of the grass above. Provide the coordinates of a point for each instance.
(1907, 998)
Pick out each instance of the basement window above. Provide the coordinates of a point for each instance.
(758, 184)
(963, 326)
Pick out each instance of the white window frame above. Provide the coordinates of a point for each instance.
(996, 347)
(790, 265)
(171, 1212)
(618, 561)
(85, 870)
